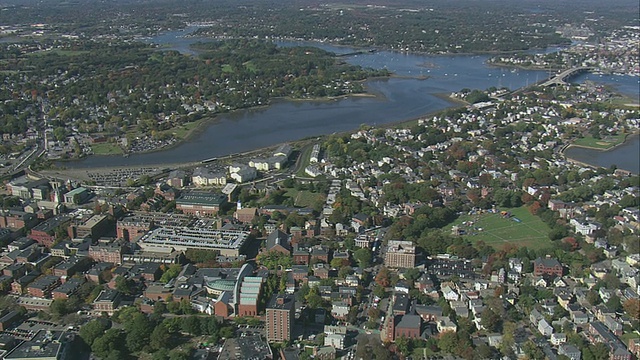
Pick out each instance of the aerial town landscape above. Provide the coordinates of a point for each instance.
(460, 180)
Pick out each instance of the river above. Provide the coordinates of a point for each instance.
(623, 157)
(398, 99)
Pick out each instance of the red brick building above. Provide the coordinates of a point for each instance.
(408, 326)
(107, 301)
(200, 203)
(42, 287)
(301, 256)
(246, 215)
(17, 219)
(278, 241)
(547, 266)
(67, 289)
(45, 232)
(157, 292)
(111, 253)
(279, 318)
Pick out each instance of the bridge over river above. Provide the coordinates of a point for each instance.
(561, 78)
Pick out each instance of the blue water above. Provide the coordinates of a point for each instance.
(398, 99)
(625, 156)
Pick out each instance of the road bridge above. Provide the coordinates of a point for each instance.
(561, 78)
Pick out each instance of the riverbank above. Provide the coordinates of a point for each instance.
(623, 155)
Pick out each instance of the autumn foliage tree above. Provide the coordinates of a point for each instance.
(632, 308)
(383, 276)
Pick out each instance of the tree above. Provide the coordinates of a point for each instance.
(632, 308)
(160, 337)
(379, 291)
(404, 345)
(314, 300)
(382, 278)
(191, 325)
(112, 341)
(490, 320)
(171, 273)
(593, 298)
(614, 303)
(139, 330)
(58, 308)
(363, 257)
(124, 285)
(448, 341)
(92, 330)
(412, 274)
(177, 354)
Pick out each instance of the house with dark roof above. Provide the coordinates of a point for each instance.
(42, 287)
(278, 241)
(569, 351)
(408, 325)
(547, 266)
(200, 203)
(67, 289)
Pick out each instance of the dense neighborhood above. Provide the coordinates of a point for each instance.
(376, 248)
(468, 233)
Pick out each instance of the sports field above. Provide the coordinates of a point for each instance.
(521, 228)
(601, 144)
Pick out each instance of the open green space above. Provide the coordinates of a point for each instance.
(628, 336)
(604, 143)
(107, 149)
(251, 66)
(60, 52)
(227, 68)
(304, 198)
(497, 230)
(182, 131)
(305, 153)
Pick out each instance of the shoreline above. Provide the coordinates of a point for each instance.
(594, 166)
(610, 148)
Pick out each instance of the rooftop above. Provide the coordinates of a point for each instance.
(201, 198)
(45, 344)
(281, 302)
(242, 348)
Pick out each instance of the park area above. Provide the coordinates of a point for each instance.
(601, 144)
(516, 226)
(304, 198)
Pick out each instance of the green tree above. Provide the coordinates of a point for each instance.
(160, 337)
(191, 325)
(171, 273)
(139, 330)
(404, 345)
(93, 330)
(111, 342)
(363, 257)
(124, 285)
(490, 320)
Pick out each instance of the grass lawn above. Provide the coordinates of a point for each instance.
(106, 149)
(496, 230)
(227, 68)
(60, 52)
(304, 161)
(250, 66)
(182, 131)
(628, 336)
(604, 143)
(304, 198)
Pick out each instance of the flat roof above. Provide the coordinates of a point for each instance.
(45, 344)
(201, 198)
(196, 238)
(248, 347)
(286, 303)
